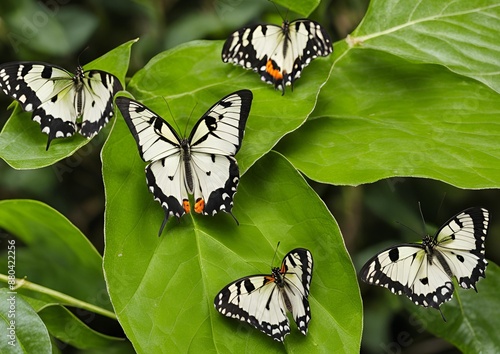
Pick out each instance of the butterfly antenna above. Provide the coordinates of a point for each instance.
(185, 130)
(79, 55)
(423, 219)
(275, 251)
(409, 228)
(170, 111)
(440, 205)
(278, 10)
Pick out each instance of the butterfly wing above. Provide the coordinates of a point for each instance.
(51, 93)
(45, 89)
(261, 302)
(257, 301)
(278, 54)
(159, 144)
(461, 242)
(297, 267)
(214, 141)
(405, 269)
(99, 88)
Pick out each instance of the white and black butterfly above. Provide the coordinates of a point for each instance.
(263, 300)
(203, 164)
(62, 103)
(278, 53)
(423, 272)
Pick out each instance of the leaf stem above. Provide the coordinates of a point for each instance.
(62, 298)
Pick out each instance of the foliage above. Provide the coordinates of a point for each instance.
(413, 91)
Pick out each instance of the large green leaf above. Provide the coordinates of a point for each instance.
(163, 288)
(52, 245)
(22, 330)
(65, 326)
(186, 81)
(380, 115)
(22, 145)
(472, 319)
(461, 35)
(303, 7)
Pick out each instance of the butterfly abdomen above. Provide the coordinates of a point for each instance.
(186, 160)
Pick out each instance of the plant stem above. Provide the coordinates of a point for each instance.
(64, 299)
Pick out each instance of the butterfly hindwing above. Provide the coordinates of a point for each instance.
(263, 300)
(60, 100)
(202, 165)
(278, 54)
(423, 272)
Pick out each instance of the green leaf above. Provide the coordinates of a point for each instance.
(68, 328)
(303, 7)
(380, 116)
(22, 144)
(51, 246)
(186, 81)
(460, 35)
(470, 323)
(163, 288)
(22, 330)
(48, 29)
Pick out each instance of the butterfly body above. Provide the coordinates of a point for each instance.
(62, 103)
(278, 53)
(263, 300)
(202, 165)
(423, 272)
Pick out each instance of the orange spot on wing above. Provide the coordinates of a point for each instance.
(270, 279)
(271, 70)
(186, 206)
(283, 268)
(199, 206)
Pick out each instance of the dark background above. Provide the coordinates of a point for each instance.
(371, 216)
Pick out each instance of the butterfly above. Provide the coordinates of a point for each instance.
(263, 300)
(278, 53)
(62, 103)
(203, 164)
(423, 272)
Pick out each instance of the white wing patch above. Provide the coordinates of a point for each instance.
(62, 103)
(278, 54)
(423, 272)
(263, 300)
(202, 165)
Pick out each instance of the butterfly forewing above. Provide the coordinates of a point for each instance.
(278, 54)
(99, 88)
(221, 129)
(261, 301)
(461, 241)
(423, 272)
(59, 99)
(31, 83)
(298, 266)
(203, 164)
(155, 138)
